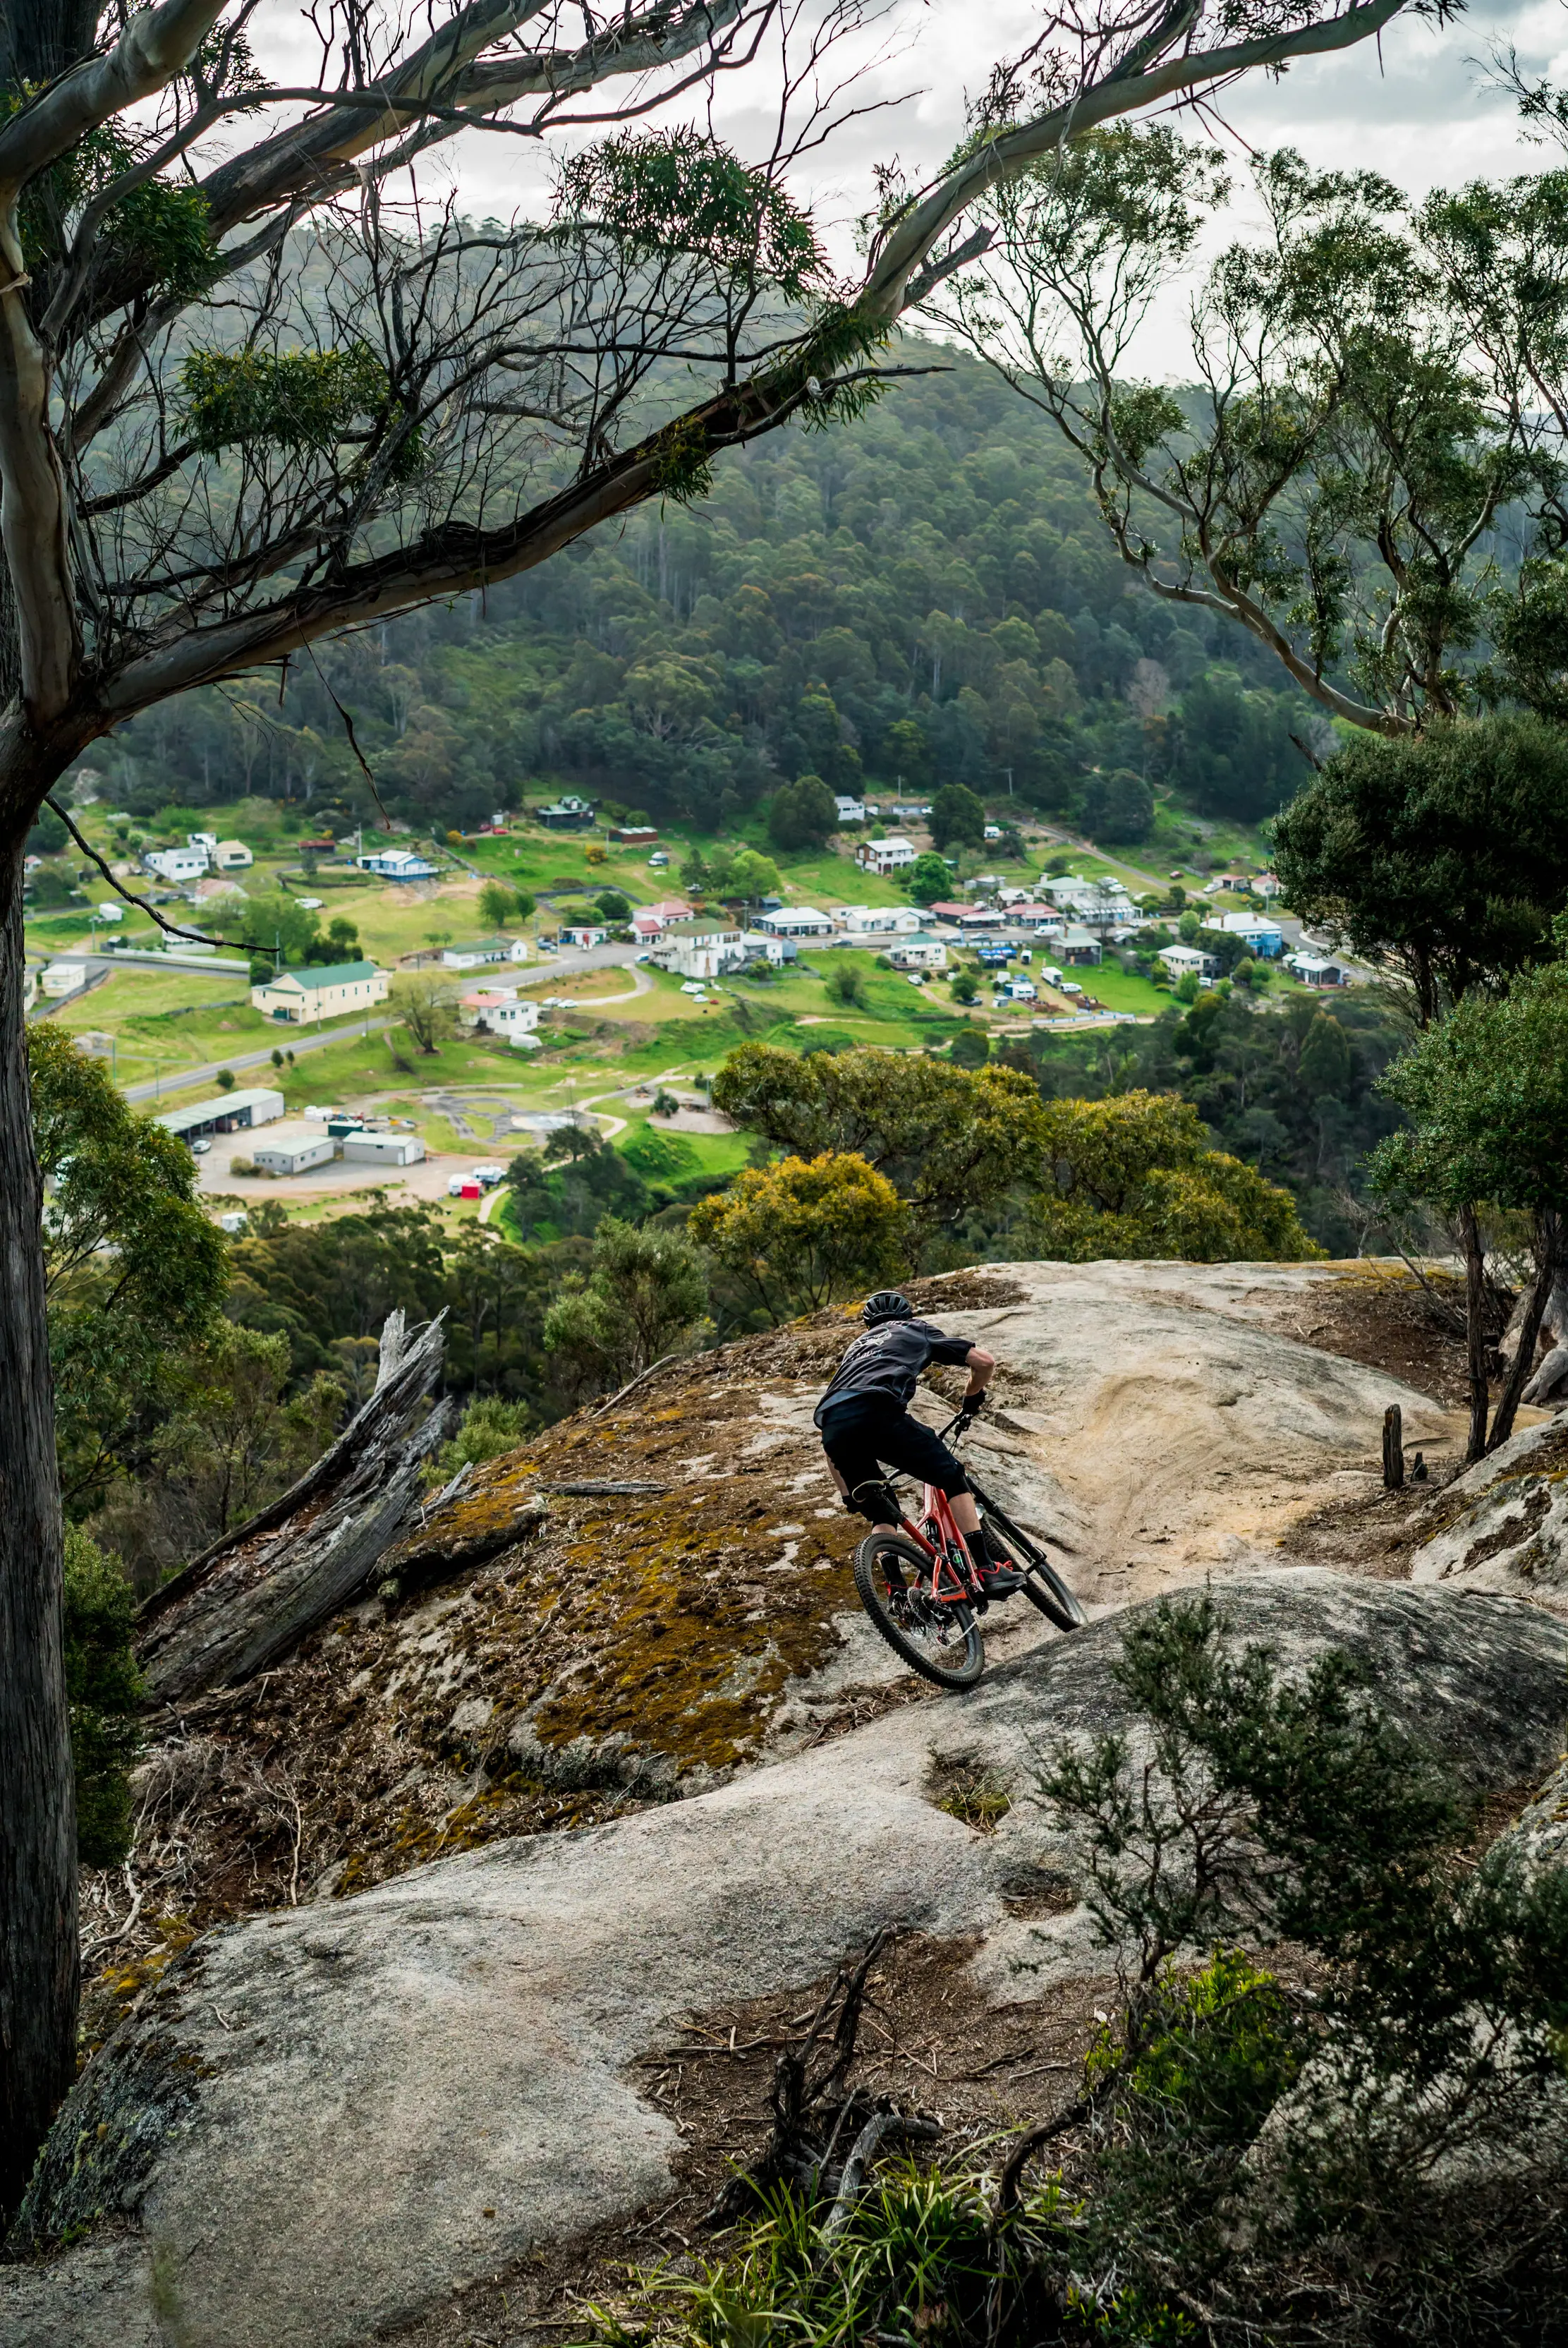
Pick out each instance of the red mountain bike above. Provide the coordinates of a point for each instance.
(921, 1589)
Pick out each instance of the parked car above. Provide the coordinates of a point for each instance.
(490, 1175)
(200, 1148)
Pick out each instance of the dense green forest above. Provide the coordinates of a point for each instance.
(928, 596)
(1290, 1093)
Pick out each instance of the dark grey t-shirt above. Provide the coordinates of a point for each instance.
(886, 1363)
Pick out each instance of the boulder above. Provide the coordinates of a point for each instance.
(1503, 1524)
(322, 2122)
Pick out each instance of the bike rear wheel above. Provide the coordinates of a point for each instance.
(940, 1642)
(1043, 1586)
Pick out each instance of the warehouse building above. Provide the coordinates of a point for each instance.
(229, 1113)
(295, 1157)
(383, 1149)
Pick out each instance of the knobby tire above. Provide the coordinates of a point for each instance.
(942, 1643)
(1043, 1586)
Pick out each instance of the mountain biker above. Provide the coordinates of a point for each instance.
(866, 1426)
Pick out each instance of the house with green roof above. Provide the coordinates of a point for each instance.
(302, 998)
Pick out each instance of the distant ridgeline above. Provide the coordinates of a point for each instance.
(926, 597)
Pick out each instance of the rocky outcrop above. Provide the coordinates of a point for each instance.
(656, 1593)
(1549, 1376)
(322, 2121)
(1503, 1524)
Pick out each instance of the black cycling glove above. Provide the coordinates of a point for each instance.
(971, 1406)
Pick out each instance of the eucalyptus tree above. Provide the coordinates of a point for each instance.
(257, 386)
(1373, 432)
(1487, 1094)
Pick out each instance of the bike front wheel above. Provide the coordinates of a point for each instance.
(942, 1642)
(1043, 1586)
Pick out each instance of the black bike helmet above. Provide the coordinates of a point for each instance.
(888, 1304)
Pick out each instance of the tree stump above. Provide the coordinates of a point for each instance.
(1393, 1449)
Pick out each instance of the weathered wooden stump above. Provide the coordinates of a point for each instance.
(1393, 1449)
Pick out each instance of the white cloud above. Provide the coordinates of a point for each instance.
(1418, 107)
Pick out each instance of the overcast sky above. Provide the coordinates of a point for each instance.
(1421, 111)
(1418, 109)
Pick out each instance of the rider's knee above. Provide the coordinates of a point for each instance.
(874, 1501)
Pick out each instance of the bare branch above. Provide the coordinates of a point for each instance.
(909, 241)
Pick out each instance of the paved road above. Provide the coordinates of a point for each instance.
(179, 1079)
(559, 965)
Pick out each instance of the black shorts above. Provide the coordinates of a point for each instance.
(864, 1435)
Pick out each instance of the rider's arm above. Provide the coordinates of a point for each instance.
(979, 1364)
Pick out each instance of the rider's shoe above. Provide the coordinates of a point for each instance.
(1000, 1581)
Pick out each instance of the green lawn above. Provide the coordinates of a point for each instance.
(1120, 990)
(169, 1020)
(659, 1155)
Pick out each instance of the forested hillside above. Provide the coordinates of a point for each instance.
(926, 596)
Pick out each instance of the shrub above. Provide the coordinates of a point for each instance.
(103, 1690)
(929, 877)
(489, 1429)
(1133, 1177)
(803, 1233)
(645, 1296)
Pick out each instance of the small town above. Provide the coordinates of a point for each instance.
(1065, 940)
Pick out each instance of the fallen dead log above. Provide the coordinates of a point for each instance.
(597, 1487)
(255, 1593)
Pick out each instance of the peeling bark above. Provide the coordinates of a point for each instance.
(38, 1964)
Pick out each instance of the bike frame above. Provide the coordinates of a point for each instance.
(950, 1585)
